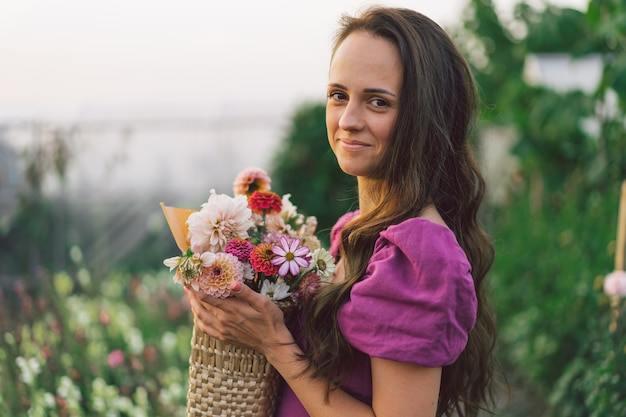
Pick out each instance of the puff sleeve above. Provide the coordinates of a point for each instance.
(335, 232)
(416, 301)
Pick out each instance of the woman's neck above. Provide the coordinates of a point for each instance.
(368, 190)
(369, 195)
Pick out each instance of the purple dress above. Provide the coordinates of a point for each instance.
(415, 303)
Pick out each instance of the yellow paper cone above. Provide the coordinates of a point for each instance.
(177, 221)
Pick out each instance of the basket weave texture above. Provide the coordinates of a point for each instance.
(228, 380)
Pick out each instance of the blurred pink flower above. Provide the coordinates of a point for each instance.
(250, 180)
(18, 288)
(615, 284)
(104, 317)
(115, 358)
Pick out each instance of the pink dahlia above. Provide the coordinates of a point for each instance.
(290, 256)
(216, 279)
(239, 247)
(250, 180)
(261, 259)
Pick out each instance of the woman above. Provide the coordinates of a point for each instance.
(404, 329)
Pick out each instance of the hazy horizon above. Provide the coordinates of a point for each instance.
(69, 60)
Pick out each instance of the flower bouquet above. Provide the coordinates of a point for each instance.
(260, 239)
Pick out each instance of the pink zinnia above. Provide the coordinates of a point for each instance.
(265, 202)
(239, 247)
(261, 259)
(215, 280)
(290, 256)
(250, 180)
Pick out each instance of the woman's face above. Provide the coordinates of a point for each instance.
(364, 85)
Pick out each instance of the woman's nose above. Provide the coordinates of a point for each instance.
(352, 117)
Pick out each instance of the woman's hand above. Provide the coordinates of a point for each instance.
(246, 318)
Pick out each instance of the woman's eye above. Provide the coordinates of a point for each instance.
(337, 96)
(380, 103)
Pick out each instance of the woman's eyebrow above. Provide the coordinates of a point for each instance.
(366, 90)
(378, 91)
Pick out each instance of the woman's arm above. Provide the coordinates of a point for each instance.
(404, 389)
(253, 320)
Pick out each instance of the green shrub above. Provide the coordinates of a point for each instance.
(553, 317)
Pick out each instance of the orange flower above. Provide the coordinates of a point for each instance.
(265, 202)
(261, 259)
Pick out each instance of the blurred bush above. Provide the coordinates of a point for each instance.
(555, 233)
(554, 337)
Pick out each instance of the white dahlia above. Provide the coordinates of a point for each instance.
(219, 220)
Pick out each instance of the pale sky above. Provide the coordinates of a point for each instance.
(76, 59)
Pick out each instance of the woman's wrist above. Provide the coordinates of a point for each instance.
(283, 353)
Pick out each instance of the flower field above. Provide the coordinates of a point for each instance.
(77, 347)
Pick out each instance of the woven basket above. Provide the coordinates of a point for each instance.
(228, 380)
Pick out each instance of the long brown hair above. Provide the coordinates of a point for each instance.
(428, 161)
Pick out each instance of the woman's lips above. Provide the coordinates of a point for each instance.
(353, 145)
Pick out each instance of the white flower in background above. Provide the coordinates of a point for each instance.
(134, 340)
(275, 290)
(71, 394)
(218, 221)
(168, 342)
(29, 369)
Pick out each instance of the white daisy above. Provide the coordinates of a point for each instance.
(323, 262)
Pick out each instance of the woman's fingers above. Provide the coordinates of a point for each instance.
(222, 322)
(258, 302)
(246, 318)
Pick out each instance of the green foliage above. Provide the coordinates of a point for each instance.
(554, 238)
(306, 167)
(547, 264)
(551, 29)
(551, 124)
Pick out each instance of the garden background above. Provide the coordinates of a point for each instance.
(91, 323)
